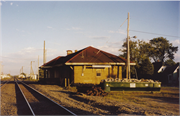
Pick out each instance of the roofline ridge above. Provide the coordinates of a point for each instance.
(76, 54)
(115, 56)
(57, 59)
(123, 59)
(52, 60)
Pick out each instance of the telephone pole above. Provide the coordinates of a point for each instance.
(22, 69)
(128, 76)
(44, 54)
(31, 70)
(38, 66)
(1, 68)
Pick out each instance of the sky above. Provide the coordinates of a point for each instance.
(75, 25)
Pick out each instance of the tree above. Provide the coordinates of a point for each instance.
(9, 75)
(23, 74)
(147, 67)
(139, 50)
(169, 62)
(161, 49)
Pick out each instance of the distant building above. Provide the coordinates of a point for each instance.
(158, 67)
(166, 74)
(34, 77)
(4, 76)
(22, 76)
(172, 74)
(86, 66)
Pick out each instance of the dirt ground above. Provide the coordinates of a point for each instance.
(8, 100)
(165, 102)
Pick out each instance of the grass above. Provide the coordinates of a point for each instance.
(171, 93)
(4, 79)
(73, 89)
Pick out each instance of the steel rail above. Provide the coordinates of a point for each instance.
(5, 83)
(25, 98)
(49, 98)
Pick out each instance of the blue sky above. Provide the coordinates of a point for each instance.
(74, 25)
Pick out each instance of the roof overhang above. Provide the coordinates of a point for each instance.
(101, 66)
(51, 66)
(95, 64)
(46, 66)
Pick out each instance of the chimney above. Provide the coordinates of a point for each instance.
(69, 52)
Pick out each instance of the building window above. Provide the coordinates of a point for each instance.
(98, 73)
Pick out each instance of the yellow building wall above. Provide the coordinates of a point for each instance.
(88, 75)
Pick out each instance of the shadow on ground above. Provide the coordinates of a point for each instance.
(164, 99)
(74, 110)
(108, 109)
(22, 107)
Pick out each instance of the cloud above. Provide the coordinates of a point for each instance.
(116, 44)
(14, 61)
(111, 31)
(29, 50)
(176, 42)
(11, 3)
(20, 30)
(110, 49)
(177, 57)
(74, 28)
(49, 27)
(118, 31)
(99, 37)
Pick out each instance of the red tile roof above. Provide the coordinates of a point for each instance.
(86, 56)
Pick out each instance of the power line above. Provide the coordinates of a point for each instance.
(154, 33)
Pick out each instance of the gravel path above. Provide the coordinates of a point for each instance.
(8, 100)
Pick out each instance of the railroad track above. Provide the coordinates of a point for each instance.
(5, 82)
(37, 103)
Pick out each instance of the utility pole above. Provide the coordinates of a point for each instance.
(128, 76)
(0, 67)
(44, 54)
(31, 70)
(38, 66)
(22, 69)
